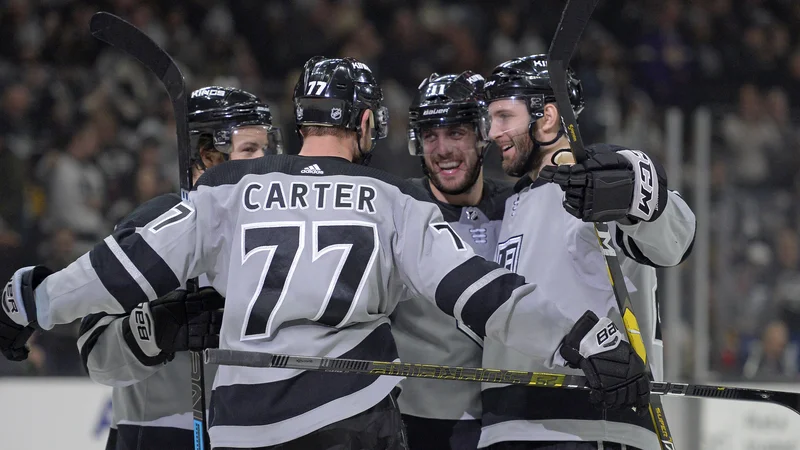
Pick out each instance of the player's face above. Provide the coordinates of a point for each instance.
(249, 142)
(510, 120)
(451, 156)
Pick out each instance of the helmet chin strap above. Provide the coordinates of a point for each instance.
(537, 149)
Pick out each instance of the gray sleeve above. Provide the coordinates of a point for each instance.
(481, 295)
(666, 241)
(108, 359)
(136, 265)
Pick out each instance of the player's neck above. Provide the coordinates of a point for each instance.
(470, 198)
(547, 155)
(327, 146)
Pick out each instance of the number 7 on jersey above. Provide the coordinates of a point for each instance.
(285, 242)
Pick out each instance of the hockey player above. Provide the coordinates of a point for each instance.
(312, 254)
(448, 131)
(152, 395)
(546, 238)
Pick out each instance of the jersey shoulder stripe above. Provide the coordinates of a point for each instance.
(149, 211)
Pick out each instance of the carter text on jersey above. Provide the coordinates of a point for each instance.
(299, 195)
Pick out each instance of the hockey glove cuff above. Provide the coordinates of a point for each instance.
(650, 186)
(615, 373)
(178, 321)
(613, 185)
(18, 311)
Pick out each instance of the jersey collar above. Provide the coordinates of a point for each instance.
(526, 181)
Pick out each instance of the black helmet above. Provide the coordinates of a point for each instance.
(336, 92)
(450, 99)
(217, 111)
(527, 78)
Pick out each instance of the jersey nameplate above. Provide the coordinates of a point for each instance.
(299, 195)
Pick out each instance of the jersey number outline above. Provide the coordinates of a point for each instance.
(180, 212)
(285, 242)
(318, 85)
(435, 89)
(457, 241)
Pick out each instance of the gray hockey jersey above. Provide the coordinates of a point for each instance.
(427, 335)
(542, 242)
(152, 403)
(312, 255)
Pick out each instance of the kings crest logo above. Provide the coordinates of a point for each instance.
(336, 113)
(508, 253)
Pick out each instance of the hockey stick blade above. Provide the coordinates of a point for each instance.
(125, 37)
(574, 19)
(122, 35)
(226, 357)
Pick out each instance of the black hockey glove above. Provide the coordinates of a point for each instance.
(178, 321)
(18, 311)
(616, 374)
(613, 184)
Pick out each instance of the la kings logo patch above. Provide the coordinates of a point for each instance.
(508, 253)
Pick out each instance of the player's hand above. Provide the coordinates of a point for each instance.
(616, 374)
(178, 321)
(18, 311)
(611, 185)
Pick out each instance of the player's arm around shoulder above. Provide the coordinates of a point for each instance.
(106, 355)
(124, 349)
(628, 188)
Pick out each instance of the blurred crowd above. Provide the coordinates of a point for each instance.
(86, 134)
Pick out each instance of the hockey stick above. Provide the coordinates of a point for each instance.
(788, 400)
(574, 18)
(125, 37)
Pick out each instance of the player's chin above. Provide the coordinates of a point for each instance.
(451, 183)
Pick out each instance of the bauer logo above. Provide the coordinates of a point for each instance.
(144, 327)
(430, 112)
(9, 304)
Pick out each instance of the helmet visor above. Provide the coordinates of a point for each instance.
(249, 141)
(508, 116)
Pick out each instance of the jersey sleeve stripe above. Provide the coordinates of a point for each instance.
(91, 328)
(455, 283)
(488, 298)
(130, 267)
(115, 277)
(243, 404)
(156, 272)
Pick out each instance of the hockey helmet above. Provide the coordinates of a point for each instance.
(220, 111)
(335, 92)
(450, 99)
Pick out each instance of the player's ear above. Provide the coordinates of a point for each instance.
(368, 129)
(551, 120)
(210, 157)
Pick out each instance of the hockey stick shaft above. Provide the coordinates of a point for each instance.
(574, 19)
(125, 37)
(239, 358)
